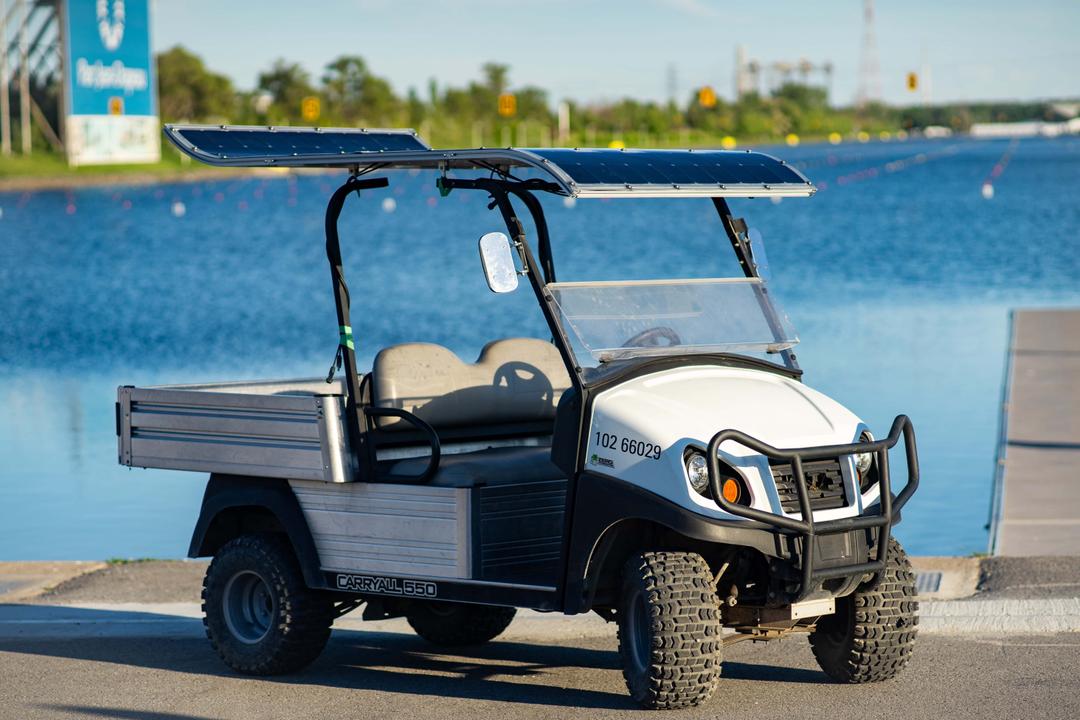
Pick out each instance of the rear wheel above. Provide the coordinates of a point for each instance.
(669, 630)
(259, 615)
(872, 634)
(455, 624)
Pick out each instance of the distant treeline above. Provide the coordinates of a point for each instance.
(350, 94)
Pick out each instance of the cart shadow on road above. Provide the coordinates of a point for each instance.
(508, 671)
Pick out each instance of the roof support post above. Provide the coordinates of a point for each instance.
(523, 191)
(735, 229)
(356, 422)
(539, 285)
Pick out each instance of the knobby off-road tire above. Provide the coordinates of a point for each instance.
(457, 624)
(872, 634)
(259, 615)
(669, 630)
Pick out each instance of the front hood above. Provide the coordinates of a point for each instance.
(672, 407)
(640, 431)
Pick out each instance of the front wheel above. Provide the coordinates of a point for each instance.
(872, 634)
(259, 615)
(669, 630)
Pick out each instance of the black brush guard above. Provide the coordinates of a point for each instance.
(882, 515)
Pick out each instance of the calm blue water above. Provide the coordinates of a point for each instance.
(898, 275)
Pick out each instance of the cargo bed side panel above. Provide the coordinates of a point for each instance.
(283, 436)
(416, 530)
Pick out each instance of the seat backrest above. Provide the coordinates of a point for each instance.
(517, 381)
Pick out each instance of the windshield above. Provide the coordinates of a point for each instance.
(610, 321)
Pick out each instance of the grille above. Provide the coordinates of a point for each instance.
(824, 485)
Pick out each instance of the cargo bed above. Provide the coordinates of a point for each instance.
(275, 428)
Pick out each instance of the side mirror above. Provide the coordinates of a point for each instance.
(498, 261)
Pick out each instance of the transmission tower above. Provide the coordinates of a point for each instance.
(672, 83)
(869, 71)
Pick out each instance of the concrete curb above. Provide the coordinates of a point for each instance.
(1009, 616)
(28, 579)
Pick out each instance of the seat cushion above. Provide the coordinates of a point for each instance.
(514, 381)
(494, 466)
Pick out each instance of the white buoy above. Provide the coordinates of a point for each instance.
(776, 199)
(1, 213)
(179, 209)
(987, 191)
(389, 205)
(569, 202)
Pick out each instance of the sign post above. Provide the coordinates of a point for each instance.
(110, 95)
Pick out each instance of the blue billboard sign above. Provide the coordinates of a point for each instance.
(109, 91)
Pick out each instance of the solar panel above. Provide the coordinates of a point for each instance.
(577, 173)
(242, 145)
(671, 167)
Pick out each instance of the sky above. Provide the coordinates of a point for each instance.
(592, 50)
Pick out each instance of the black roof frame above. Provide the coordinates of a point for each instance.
(539, 273)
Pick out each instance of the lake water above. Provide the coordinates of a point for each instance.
(899, 276)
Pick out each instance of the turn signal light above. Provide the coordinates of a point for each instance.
(731, 490)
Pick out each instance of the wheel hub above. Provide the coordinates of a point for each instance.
(249, 607)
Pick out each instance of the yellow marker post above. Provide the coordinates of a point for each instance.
(508, 105)
(310, 108)
(706, 97)
(912, 81)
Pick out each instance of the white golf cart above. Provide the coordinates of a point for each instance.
(658, 461)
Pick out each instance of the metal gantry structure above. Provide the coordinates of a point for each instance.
(869, 69)
(30, 61)
(754, 76)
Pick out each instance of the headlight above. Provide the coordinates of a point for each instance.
(697, 470)
(864, 464)
(863, 461)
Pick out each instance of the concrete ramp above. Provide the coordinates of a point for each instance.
(1037, 493)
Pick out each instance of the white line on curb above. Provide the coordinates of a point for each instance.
(1035, 615)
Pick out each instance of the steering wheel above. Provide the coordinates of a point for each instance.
(653, 336)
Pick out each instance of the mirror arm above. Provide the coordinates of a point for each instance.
(517, 230)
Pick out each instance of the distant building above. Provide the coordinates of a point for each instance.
(1028, 128)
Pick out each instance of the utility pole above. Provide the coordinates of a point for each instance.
(24, 76)
(742, 83)
(926, 82)
(5, 89)
(869, 70)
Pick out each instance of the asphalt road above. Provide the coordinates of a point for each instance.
(168, 672)
(126, 642)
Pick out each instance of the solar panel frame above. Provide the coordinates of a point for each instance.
(245, 146)
(675, 173)
(581, 173)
